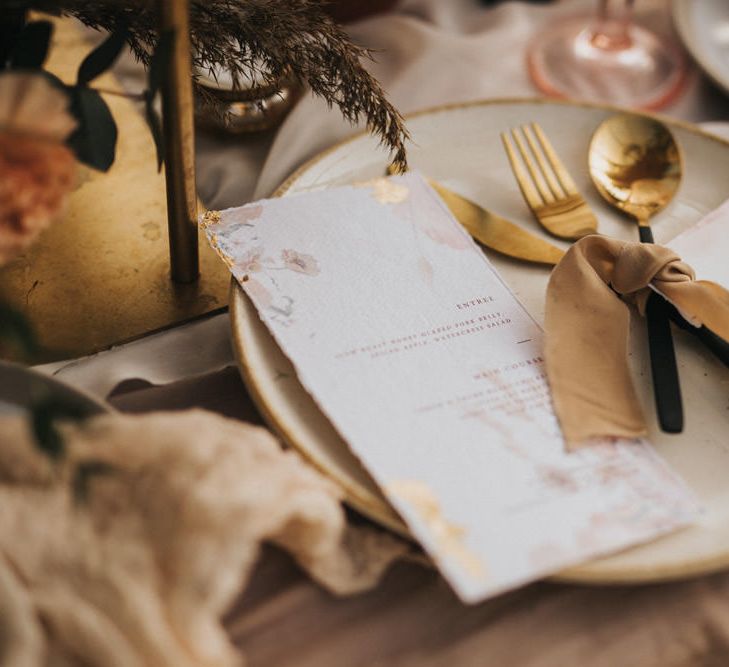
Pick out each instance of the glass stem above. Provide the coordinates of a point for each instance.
(611, 30)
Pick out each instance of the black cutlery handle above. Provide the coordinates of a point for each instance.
(716, 344)
(646, 234)
(666, 386)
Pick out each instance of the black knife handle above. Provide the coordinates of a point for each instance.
(646, 234)
(666, 386)
(714, 343)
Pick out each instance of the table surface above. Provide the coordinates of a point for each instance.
(413, 618)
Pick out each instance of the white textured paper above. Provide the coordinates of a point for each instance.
(431, 370)
(705, 246)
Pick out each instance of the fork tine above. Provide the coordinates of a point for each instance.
(537, 178)
(547, 171)
(522, 178)
(559, 169)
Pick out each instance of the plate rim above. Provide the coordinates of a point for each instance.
(680, 11)
(582, 574)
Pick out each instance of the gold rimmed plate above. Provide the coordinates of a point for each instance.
(702, 27)
(459, 146)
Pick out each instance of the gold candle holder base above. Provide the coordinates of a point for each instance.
(101, 274)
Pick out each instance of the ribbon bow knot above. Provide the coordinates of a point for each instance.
(640, 266)
(587, 324)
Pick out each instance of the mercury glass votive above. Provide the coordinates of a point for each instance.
(245, 107)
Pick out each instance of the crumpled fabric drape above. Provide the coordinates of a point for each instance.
(587, 323)
(138, 570)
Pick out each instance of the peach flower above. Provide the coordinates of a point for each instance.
(36, 170)
(300, 262)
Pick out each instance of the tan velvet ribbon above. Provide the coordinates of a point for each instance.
(586, 322)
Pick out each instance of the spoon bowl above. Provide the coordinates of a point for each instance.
(635, 164)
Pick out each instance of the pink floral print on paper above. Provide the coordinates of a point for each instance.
(429, 221)
(261, 296)
(425, 268)
(441, 231)
(546, 556)
(250, 261)
(248, 214)
(300, 262)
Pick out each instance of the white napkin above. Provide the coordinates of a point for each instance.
(186, 351)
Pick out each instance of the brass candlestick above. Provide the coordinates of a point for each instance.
(179, 142)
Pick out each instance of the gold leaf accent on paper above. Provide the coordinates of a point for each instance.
(209, 218)
(386, 191)
(449, 536)
(215, 245)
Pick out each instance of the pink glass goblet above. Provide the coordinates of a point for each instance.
(607, 58)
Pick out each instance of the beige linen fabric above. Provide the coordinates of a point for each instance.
(586, 324)
(141, 571)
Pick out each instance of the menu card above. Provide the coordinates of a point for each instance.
(432, 372)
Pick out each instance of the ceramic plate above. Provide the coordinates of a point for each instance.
(704, 30)
(460, 146)
(20, 386)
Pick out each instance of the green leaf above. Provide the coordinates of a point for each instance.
(12, 20)
(102, 57)
(94, 140)
(160, 57)
(155, 128)
(16, 331)
(43, 414)
(55, 81)
(47, 437)
(31, 47)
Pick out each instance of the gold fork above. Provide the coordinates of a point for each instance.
(548, 189)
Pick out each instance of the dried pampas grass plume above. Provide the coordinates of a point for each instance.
(259, 42)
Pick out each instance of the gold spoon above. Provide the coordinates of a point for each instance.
(635, 164)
